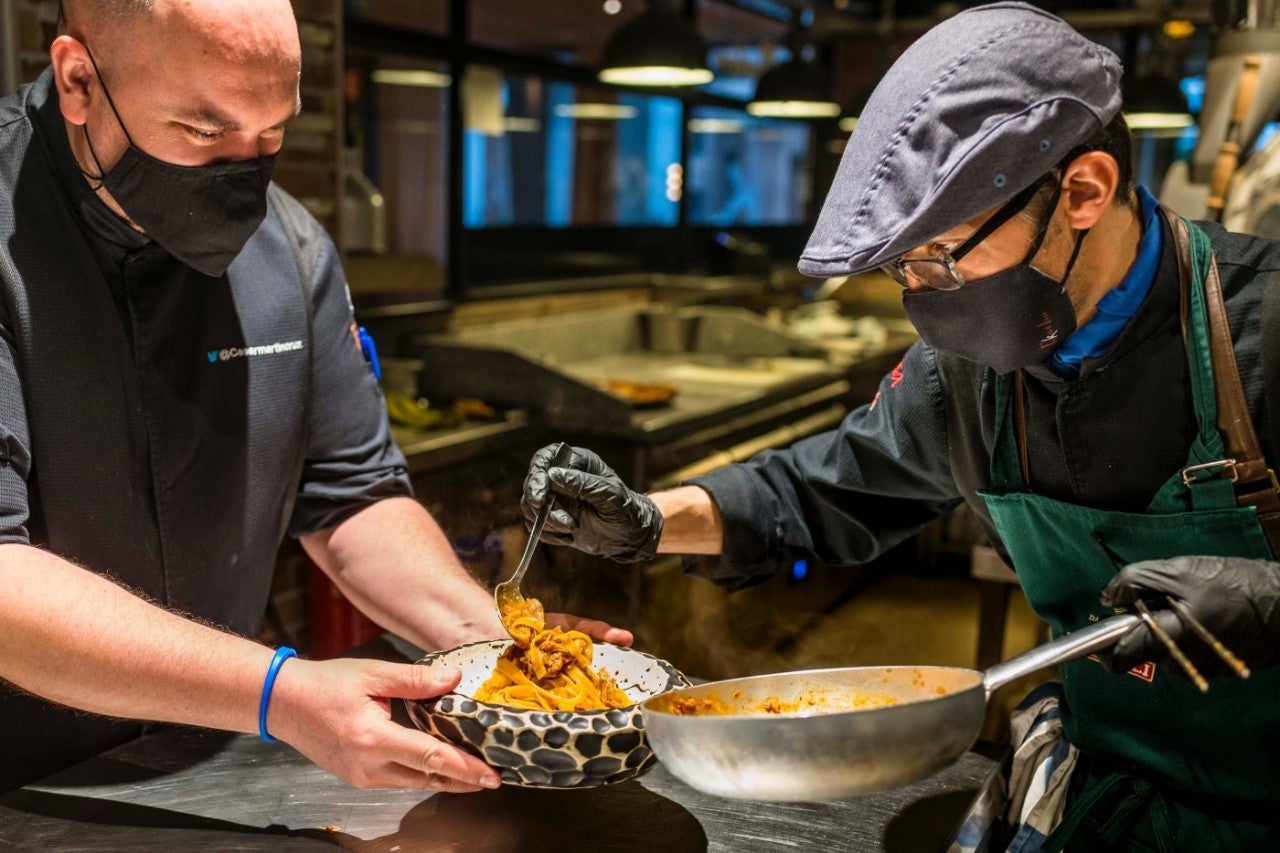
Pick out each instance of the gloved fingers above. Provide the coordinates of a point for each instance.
(582, 459)
(1150, 579)
(562, 539)
(535, 482)
(543, 458)
(534, 491)
(1142, 645)
(599, 491)
(563, 517)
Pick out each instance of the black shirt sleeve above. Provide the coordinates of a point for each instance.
(842, 497)
(351, 460)
(15, 449)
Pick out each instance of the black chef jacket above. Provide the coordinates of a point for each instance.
(1109, 439)
(158, 425)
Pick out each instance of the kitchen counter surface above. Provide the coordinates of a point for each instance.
(181, 789)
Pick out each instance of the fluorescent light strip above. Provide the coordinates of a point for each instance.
(656, 75)
(1158, 121)
(602, 111)
(419, 78)
(794, 109)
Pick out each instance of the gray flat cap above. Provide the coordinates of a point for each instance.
(975, 110)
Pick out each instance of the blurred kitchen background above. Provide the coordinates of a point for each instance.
(537, 238)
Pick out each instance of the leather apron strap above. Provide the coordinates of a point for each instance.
(1255, 481)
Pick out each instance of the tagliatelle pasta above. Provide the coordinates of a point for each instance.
(548, 668)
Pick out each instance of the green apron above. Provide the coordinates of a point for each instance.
(1163, 767)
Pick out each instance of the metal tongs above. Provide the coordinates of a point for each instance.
(1184, 615)
(507, 595)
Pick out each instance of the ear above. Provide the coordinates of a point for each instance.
(73, 75)
(1089, 187)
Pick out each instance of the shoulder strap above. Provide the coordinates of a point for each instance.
(1255, 481)
(1256, 484)
(1270, 345)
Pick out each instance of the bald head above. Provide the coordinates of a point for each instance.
(74, 12)
(143, 32)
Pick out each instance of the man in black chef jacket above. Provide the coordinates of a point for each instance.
(180, 388)
(1094, 380)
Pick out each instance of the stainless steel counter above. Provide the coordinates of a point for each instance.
(184, 789)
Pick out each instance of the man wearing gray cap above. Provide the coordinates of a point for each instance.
(1088, 381)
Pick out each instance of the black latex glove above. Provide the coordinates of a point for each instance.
(595, 512)
(1237, 599)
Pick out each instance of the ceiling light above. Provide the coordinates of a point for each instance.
(1179, 28)
(600, 111)
(794, 89)
(1158, 121)
(656, 48)
(411, 77)
(1154, 102)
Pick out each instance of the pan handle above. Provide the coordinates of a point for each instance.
(1086, 641)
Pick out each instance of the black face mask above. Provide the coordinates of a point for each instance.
(1006, 321)
(201, 215)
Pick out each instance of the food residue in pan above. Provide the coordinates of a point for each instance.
(807, 701)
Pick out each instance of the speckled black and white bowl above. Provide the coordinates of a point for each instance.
(543, 749)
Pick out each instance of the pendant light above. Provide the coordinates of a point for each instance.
(658, 47)
(1154, 102)
(796, 88)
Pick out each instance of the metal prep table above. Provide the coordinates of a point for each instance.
(181, 789)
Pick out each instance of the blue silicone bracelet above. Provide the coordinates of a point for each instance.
(282, 654)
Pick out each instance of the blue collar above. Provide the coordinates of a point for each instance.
(1118, 305)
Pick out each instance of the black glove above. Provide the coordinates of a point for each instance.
(1237, 599)
(595, 512)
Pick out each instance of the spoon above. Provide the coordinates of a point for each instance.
(507, 594)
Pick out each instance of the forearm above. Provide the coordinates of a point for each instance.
(691, 522)
(75, 638)
(394, 563)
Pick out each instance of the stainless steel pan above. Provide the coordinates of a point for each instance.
(830, 748)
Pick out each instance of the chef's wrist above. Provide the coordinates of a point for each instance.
(287, 699)
(282, 654)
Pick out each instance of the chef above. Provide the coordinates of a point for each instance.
(1091, 380)
(180, 388)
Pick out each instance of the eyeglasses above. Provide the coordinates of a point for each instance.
(939, 272)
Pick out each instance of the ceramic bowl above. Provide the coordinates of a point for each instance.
(548, 749)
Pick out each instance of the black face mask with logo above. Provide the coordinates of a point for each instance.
(1009, 320)
(201, 215)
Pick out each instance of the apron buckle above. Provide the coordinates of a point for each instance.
(1208, 470)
